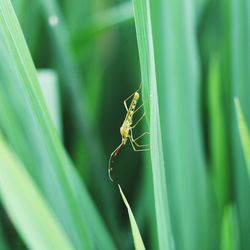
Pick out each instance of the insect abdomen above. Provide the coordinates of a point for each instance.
(132, 107)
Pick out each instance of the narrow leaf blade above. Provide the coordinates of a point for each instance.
(244, 134)
(26, 206)
(135, 231)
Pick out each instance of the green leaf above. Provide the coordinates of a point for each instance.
(26, 206)
(240, 88)
(26, 123)
(170, 73)
(178, 85)
(244, 134)
(72, 84)
(218, 138)
(148, 72)
(103, 21)
(229, 229)
(135, 231)
(48, 82)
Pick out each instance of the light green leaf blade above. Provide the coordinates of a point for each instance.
(105, 20)
(18, 73)
(218, 137)
(178, 86)
(240, 88)
(244, 134)
(48, 82)
(23, 112)
(135, 231)
(72, 85)
(148, 73)
(229, 229)
(26, 206)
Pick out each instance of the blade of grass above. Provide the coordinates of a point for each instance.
(17, 50)
(84, 127)
(178, 86)
(103, 21)
(146, 215)
(26, 207)
(25, 121)
(240, 65)
(29, 12)
(146, 53)
(218, 137)
(244, 134)
(229, 229)
(48, 82)
(135, 231)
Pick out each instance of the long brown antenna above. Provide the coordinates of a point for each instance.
(114, 153)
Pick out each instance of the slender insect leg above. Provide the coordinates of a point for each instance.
(138, 108)
(135, 149)
(140, 136)
(135, 140)
(125, 101)
(145, 133)
(138, 121)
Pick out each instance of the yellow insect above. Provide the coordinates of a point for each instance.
(127, 127)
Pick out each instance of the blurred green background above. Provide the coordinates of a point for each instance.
(191, 191)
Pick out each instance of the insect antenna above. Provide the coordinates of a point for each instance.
(114, 153)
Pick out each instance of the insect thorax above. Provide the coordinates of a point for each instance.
(124, 129)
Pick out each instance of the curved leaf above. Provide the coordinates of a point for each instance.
(26, 206)
(135, 231)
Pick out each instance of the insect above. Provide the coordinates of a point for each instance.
(126, 130)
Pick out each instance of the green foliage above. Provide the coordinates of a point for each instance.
(191, 191)
(146, 53)
(69, 196)
(229, 229)
(135, 231)
(244, 134)
(26, 207)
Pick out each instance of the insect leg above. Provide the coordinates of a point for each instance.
(138, 108)
(140, 136)
(135, 140)
(125, 101)
(138, 121)
(134, 148)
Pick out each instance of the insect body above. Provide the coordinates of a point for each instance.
(127, 127)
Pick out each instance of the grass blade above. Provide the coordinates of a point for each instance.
(244, 134)
(26, 207)
(229, 229)
(48, 82)
(240, 87)
(25, 78)
(146, 52)
(174, 102)
(29, 123)
(104, 21)
(72, 85)
(218, 136)
(178, 86)
(135, 231)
